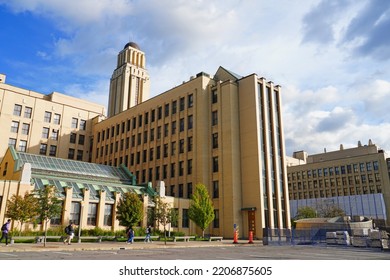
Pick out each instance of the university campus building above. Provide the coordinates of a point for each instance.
(55, 125)
(224, 131)
(354, 179)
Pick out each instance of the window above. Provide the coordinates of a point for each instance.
(73, 138)
(189, 166)
(53, 150)
(214, 118)
(181, 125)
(27, 112)
(215, 164)
(74, 123)
(190, 122)
(215, 189)
(42, 149)
(25, 128)
(181, 190)
(166, 114)
(181, 168)
(57, 119)
(189, 190)
(189, 144)
(174, 107)
(71, 154)
(81, 139)
(172, 170)
(173, 128)
(80, 154)
(376, 165)
(173, 148)
(181, 146)
(190, 100)
(215, 141)
(214, 96)
(17, 110)
(22, 146)
(47, 117)
(181, 104)
(14, 127)
(216, 219)
(12, 142)
(45, 133)
(92, 213)
(56, 220)
(54, 134)
(185, 220)
(74, 215)
(108, 214)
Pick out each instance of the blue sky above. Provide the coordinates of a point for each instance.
(332, 58)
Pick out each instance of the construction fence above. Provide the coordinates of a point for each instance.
(373, 238)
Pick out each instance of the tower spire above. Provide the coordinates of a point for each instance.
(130, 83)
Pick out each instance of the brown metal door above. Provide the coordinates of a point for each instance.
(251, 222)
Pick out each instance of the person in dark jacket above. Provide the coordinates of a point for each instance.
(69, 230)
(5, 230)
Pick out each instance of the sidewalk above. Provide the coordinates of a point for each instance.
(112, 245)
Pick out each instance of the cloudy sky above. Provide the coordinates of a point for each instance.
(331, 57)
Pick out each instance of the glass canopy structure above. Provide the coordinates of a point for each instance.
(78, 175)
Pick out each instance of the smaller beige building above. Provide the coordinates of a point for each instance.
(90, 192)
(55, 124)
(359, 173)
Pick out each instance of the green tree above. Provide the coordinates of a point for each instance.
(164, 214)
(201, 209)
(130, 210)
(49, 205)
(306, 212)
(22, 209)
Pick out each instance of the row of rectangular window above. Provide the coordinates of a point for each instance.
(358, 179)
(333, 193)
(43, 149)
(119, 129)
(337, 170)
(15, 127)
(22, 144)
(136, 159)
(18, 111)
(82, 124)
(125, 145)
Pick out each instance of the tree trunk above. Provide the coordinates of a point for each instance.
(44, 238)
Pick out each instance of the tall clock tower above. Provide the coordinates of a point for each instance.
(130, 83)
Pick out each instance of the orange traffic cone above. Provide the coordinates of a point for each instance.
(235, 237)
(250, 237)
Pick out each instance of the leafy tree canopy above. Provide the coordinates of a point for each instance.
(130, 210)
(201, 209)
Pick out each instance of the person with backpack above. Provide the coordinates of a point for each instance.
(148, 233)
(5, 230)
(130, 236)
(70, 233)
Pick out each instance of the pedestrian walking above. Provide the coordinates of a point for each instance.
(130, 235)
(148, 233)
(69, 230)
(5, 230)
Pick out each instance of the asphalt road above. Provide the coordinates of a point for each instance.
(299, 252)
